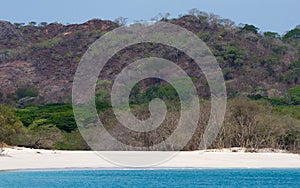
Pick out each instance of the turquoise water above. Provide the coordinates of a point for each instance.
(154, 178)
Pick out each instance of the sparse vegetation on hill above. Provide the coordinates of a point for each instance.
(261, 70)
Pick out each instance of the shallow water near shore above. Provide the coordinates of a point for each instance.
(153, 178)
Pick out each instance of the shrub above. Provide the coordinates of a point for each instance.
(278, 101)
(234, 56)
(72, 141)
(294, 33)
(250, 28)
(26, 91)
(60, 115)
(270, 34)
(295, 95)
(11, 128)
(49, 43)
(43, 135)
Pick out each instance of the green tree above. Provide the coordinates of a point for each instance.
(270, 34)
(43, 135)
(233, 55)
(43, 24)
(294, 33)
(250, 28)
(32, 23)
(26, 91)
(19, 25)
(11, 128)
(72, 141)
(295, 95)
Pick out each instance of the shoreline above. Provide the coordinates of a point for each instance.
(25, 159)
(135, 169)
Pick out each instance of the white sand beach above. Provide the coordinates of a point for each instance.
(34, 159)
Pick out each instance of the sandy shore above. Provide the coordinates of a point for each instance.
(24, 158)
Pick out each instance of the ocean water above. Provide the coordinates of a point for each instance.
(154, 178)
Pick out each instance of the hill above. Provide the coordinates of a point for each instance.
(44, 58)
(261, 70)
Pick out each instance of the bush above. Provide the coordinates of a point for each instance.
(11, 128)
(253, 125)
(270, 34)
(295, 64)
(167, 92)
(250, 28)
(227, 73)
(294, 33)
(72, 141)
(60, 115)
(42, 135)
(278, 101)
(26, 91)
(234, 56)
(204, 36)
(295, 95)
(49, 43)
(255, 97)
(292, 111)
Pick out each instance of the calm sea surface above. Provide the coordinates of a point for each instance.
(153, 178)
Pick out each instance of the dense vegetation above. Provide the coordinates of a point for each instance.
(261, 71)
(251, 123)
(48, 126)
